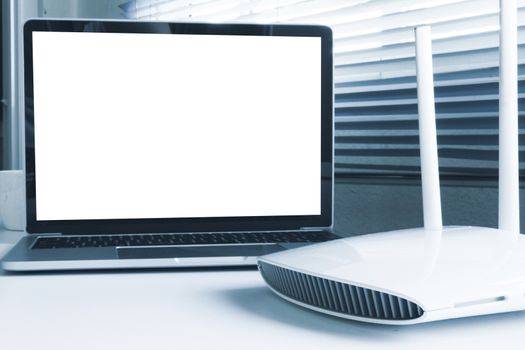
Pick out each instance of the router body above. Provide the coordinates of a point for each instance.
(405, 276)
(431, 273)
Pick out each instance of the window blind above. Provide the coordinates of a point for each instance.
(376, 129)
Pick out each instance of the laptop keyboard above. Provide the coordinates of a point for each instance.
(129, 240)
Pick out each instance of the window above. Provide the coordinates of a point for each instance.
(375, 84)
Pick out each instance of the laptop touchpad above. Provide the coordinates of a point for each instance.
(197, 251)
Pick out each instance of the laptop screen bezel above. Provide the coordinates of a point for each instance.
(216, 224)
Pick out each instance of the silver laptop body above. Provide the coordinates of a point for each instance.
(154, 145)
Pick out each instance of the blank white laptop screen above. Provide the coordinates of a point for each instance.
(176, 126)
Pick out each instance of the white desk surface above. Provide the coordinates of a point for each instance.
(203, 309)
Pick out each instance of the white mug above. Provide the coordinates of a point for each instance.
(12, 200)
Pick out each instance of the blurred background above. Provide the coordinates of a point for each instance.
(376, 132)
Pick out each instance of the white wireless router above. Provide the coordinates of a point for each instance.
(431, 273)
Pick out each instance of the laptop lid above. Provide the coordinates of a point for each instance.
(177, 127)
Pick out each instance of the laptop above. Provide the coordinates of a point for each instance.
(158, 145)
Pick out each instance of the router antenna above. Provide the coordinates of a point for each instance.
(427, 130)
(508, 201)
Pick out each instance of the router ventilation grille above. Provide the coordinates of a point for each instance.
(338, 297)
